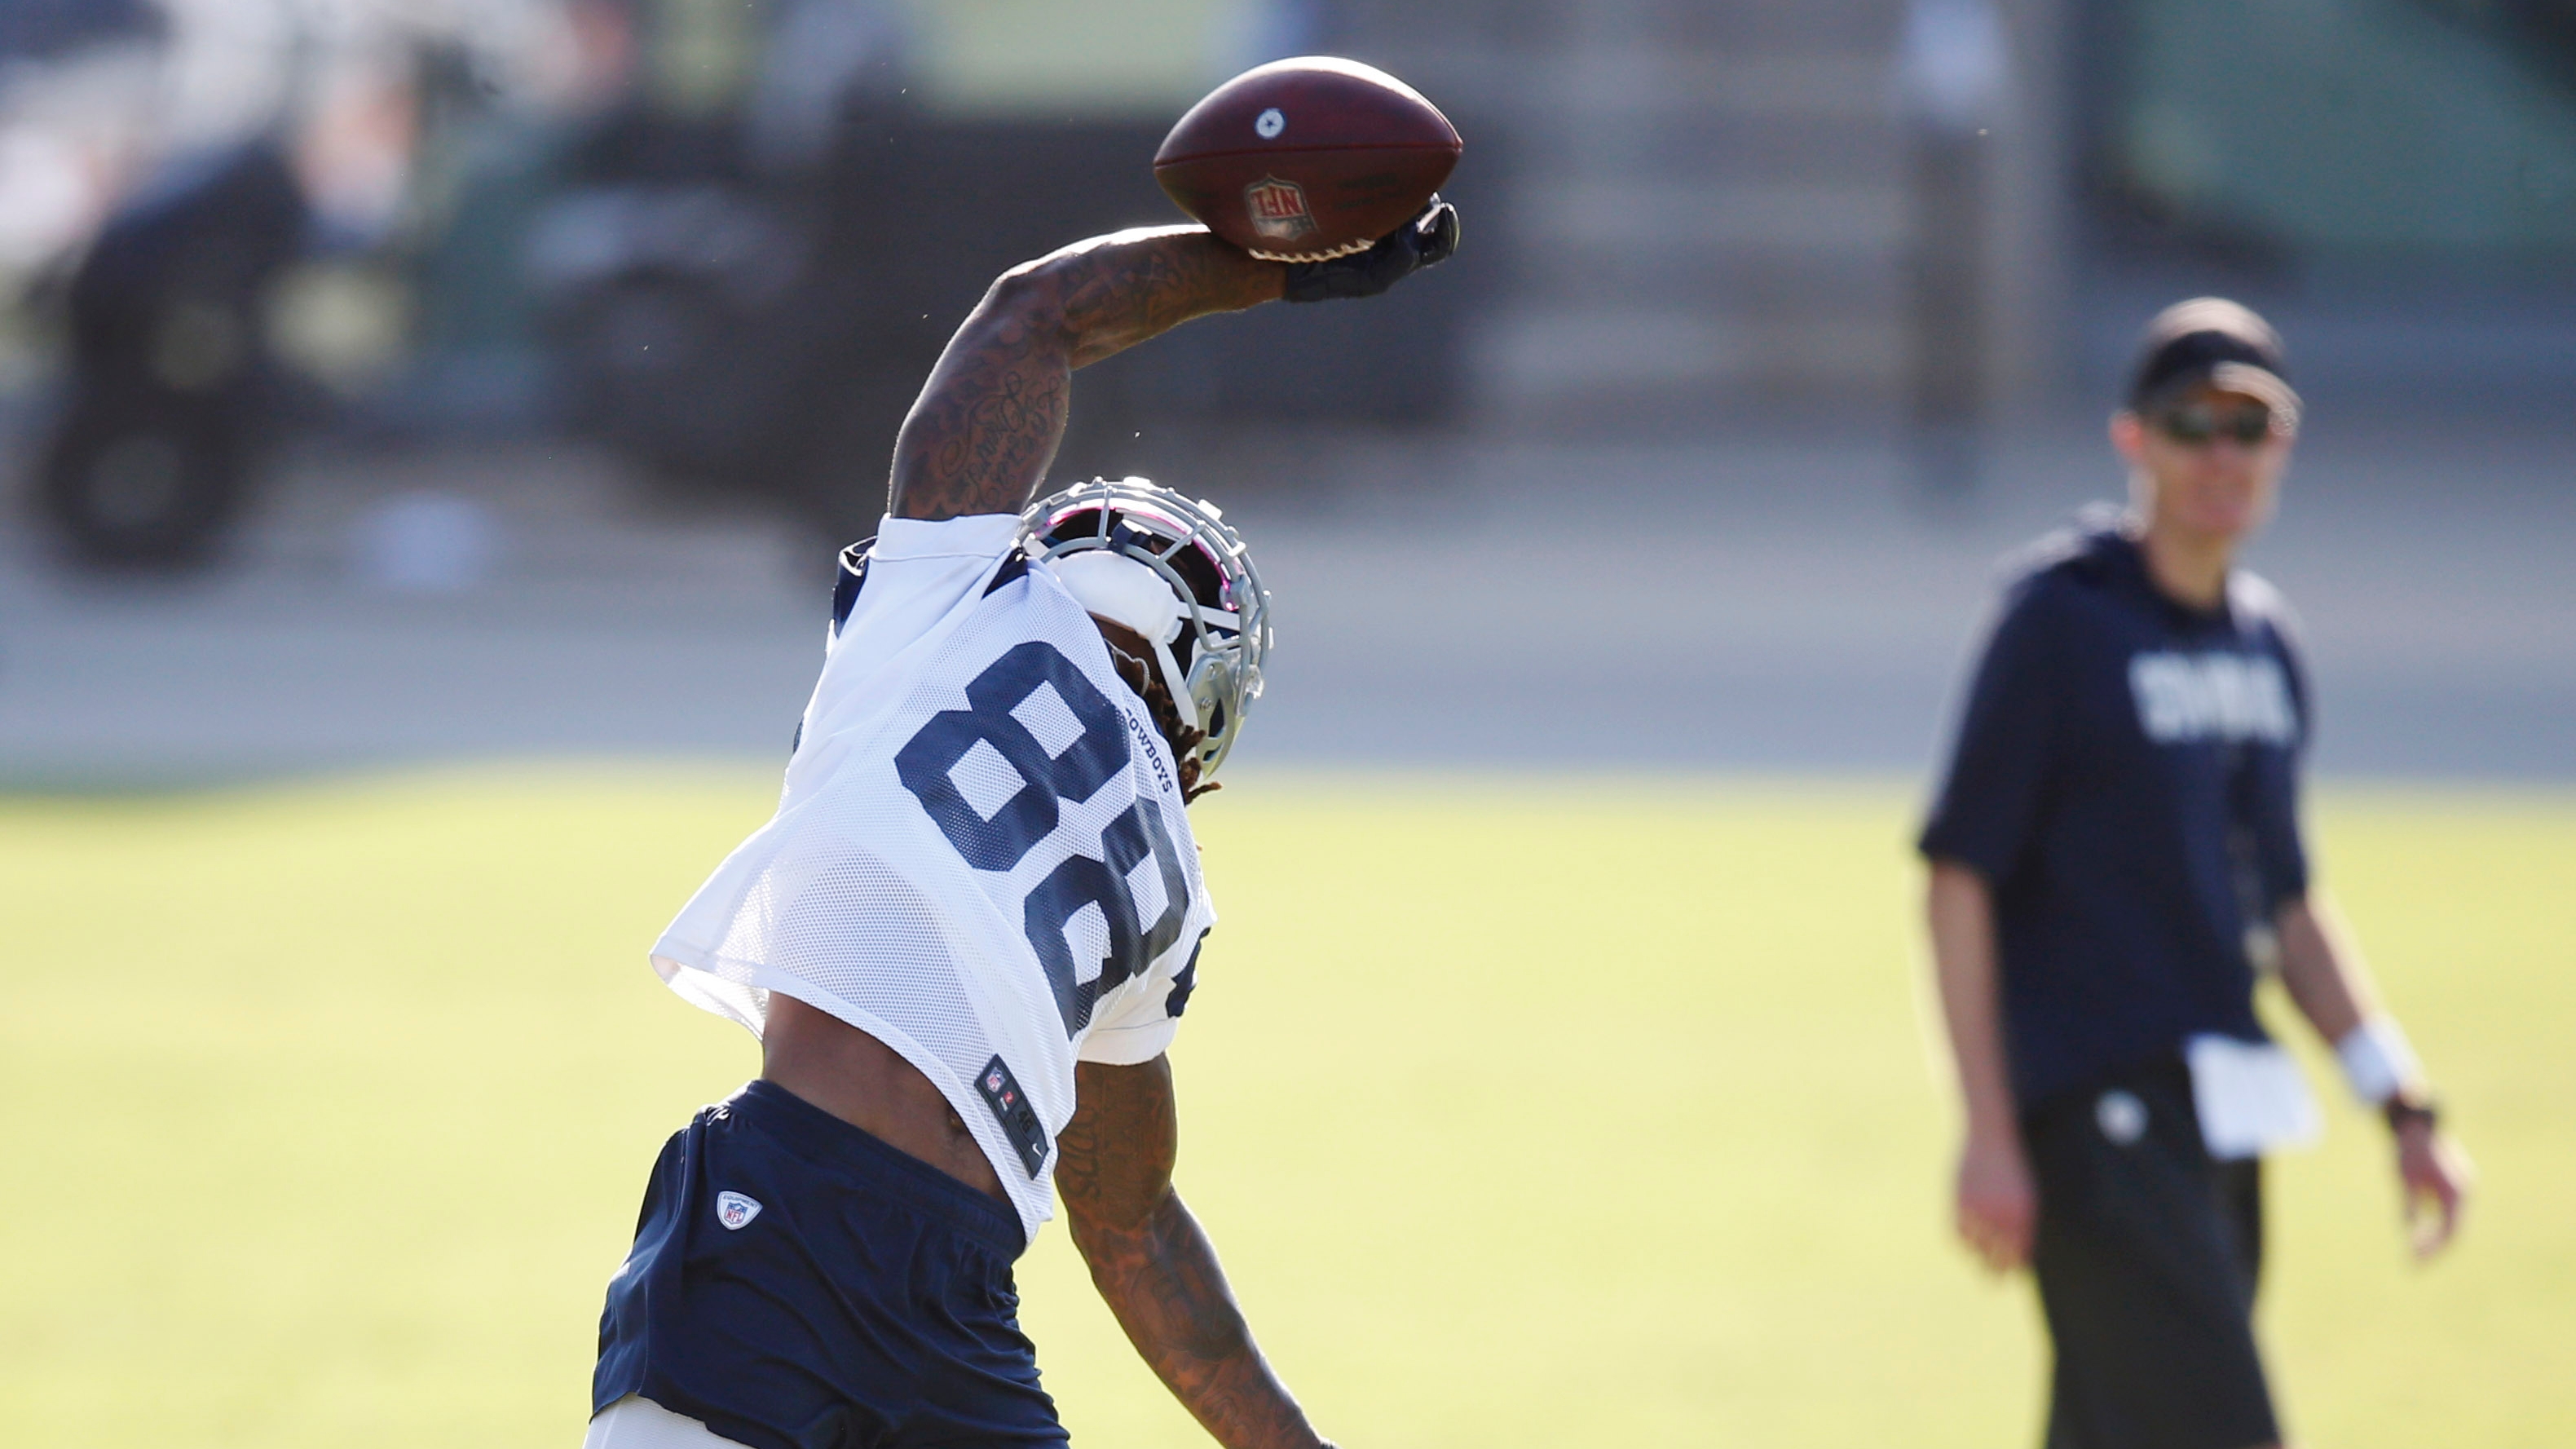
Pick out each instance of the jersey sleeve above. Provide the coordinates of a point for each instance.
(1999, 764)
(1145, 1020)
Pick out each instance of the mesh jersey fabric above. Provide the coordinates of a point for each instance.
(980, 856)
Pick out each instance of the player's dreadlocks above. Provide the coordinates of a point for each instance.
(1128, 653)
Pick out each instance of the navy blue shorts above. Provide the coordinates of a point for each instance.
(798, 1284)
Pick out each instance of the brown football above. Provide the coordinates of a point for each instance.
(1304, 159)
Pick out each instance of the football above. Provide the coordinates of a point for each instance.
(1306, 159)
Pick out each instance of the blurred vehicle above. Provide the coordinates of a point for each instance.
(219, 271)
(762, 329)
(765, 332)
(726, 243)
(754, 263)
(171, 387)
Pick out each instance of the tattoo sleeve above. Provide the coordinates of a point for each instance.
(1153, 1265)
(985, 426)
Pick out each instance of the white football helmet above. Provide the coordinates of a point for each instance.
(1175, 572)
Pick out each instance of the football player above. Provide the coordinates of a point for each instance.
(966, 936)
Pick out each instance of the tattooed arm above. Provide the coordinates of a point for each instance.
(1155, 1267)
(981, 434)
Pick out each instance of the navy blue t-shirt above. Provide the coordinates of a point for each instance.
(2126, 782)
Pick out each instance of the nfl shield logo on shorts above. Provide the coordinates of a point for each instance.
(1278, 209)
(733, 1210)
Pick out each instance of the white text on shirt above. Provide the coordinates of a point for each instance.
(2188, 697)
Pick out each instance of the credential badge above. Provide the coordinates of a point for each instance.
(733, 1210)
(1278, 209)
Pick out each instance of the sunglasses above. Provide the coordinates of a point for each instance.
(2196, 424)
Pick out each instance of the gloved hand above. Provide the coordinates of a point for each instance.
(1425, 241)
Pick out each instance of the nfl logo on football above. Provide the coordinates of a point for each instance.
(1278, 208)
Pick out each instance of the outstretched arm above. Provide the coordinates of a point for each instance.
(981, 434)
(1154, 1266)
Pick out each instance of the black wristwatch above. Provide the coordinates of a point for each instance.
(2401, 1109)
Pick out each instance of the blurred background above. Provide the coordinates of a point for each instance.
(390, 380)
(426, 427)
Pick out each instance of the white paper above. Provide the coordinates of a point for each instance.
(2251, 1097)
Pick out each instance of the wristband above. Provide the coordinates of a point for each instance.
(2377, 1062)
(2403, 1110)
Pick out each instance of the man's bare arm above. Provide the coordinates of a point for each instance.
(1153, 1265)
(2326, 979)
(981, 434)
(1996, 1204)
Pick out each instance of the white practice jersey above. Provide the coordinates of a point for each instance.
(980, 856)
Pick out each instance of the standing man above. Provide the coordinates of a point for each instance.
(2115, 858)
(966, 937)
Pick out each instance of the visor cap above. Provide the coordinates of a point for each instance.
(2214, 341)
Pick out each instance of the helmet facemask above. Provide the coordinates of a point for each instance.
(1214, 619)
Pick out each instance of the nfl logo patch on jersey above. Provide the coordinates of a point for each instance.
(733, 1210)
(1278, 209)
(1011, 1109)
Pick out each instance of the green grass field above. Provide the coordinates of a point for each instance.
(1526, 1112)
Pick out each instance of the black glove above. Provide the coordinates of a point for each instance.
(1425, 241)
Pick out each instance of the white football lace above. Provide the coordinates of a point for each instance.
(1346, 249)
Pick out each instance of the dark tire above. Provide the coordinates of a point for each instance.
(138, 487)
